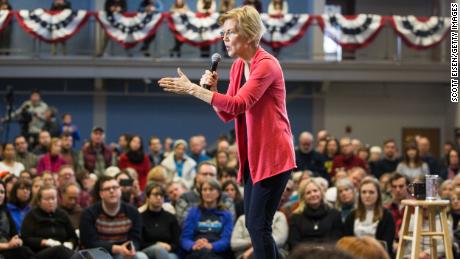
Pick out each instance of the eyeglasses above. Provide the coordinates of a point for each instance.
(228, 33)
(111, 188)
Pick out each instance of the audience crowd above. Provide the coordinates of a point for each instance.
(180, 199)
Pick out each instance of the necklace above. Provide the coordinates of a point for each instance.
(315, 225)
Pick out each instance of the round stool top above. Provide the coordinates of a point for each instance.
(425, 202)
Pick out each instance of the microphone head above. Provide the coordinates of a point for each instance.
(216, 57)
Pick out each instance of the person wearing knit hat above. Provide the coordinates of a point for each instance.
(179, 164)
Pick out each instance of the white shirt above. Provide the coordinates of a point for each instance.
(16, 169)
(366, 227)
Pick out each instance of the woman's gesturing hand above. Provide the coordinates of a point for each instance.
(178, 85)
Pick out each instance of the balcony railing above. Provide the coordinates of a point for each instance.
(387, 47)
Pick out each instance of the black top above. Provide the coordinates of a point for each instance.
(257, 4)
(384, 166)
(160, 226)
(115, 3)
(385, 228)
(7, 226)
(322, 225)
(312, 161)
(39, 225)
(433, 164)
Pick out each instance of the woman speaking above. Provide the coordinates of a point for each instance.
(256, 100)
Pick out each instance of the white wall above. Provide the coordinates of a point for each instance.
(378, 111)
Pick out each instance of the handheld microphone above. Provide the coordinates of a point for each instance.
(215, 59)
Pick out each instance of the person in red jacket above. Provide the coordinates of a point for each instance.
(347, 159)
(256, 101)
(136, 159)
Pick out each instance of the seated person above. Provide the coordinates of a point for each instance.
(19, 202)
(160, 230)
(191, 198)
(47, 229)
(370, 218)
(11, 245)
(313, 220)
(208, 227)
(111, 223)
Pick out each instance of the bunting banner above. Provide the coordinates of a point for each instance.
(5, 18)
(419, 32)
(128, 29)
(284, 30)
(194, 28)
(198, 29)
(351, 32)
(52, 26)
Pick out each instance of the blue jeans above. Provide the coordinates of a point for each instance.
(261, 201)
(157, 252)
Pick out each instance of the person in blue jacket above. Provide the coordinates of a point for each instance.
(208, 227)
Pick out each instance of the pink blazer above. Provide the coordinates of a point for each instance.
(270, 148)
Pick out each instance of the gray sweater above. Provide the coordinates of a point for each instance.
(241, 240)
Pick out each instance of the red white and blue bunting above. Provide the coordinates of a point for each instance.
(421, 33)
(128, 29)
(351, 32)
(284, 30)
(194, 28)
(52, 26)
(5, 18)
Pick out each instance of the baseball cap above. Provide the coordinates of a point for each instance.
(97, 128)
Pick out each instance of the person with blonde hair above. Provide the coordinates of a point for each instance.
(158, 174)
(314, 221)
(454, 209)
(256, 100)
(362, 247)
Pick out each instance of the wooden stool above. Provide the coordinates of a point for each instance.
(417, 234)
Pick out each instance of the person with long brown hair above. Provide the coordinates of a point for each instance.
(370, 218)
(136, 158)
(208, 227)
(412, 165)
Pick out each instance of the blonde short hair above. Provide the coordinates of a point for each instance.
(302, 190)
(157, 174)
(248, 22)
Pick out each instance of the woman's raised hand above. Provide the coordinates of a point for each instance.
(178, 85)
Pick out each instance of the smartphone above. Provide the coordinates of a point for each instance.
(126, 182)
